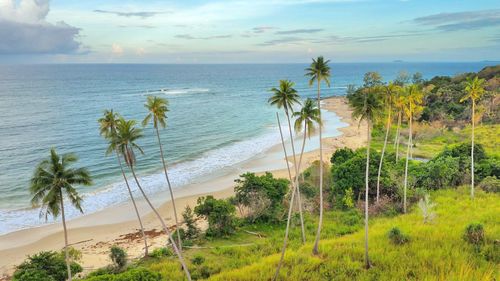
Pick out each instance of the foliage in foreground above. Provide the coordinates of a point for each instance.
(45, 266)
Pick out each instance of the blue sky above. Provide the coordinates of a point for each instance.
(258, 31)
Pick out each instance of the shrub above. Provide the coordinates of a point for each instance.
(490, 184)
(219, 214)
(192, 230)
(261, 195)
(198, 260)
(474, 234)
(118, 256)
(136, 274)
(440, 172)
(341, 155)
(161, 252)
(348, 199)
(397, 237)
(46, 266)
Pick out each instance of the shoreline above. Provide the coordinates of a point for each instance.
(94, 233)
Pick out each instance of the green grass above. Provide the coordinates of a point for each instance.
(436, 251)
(428, 147)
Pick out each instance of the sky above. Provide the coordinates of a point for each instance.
(241, 31)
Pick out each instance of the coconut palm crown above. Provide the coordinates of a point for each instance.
(285, 96)
(157, 108)
(319, 71)
(306, 117)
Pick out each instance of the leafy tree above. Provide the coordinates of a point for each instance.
(440, 172)
(341, 155)
(192, 230)
(118, 256)
(45, 266)
(53, 178)
(107, 127)
(157, 109)
(318, 71)
(475, 89)
(286, 97)
(219, 214)
(250, 189)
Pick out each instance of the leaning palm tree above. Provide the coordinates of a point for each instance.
(286, 97)
(474, 87)
(125, 141)
(412, 98)
(54, 179)
(157, 108)
(389, 92)
(306, 118)
(319, 71)
(366, 106)
(107, 127)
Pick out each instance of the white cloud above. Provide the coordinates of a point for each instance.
(24, 29)
(116, 50)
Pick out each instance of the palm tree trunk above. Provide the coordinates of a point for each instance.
(297, 171)
(171, 192)
(135, 205)
(472, 152)
(398, 134)
(165, 228)
(383, 152)
(320, 223)
(406, 166)
(66, 254)
(285, 241)
(367, 258)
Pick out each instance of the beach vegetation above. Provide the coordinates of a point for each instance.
(45, 266)
(397, 237)
(219, 213)
(118, 256)
(192, 230)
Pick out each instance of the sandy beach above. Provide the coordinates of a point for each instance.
(93, 234)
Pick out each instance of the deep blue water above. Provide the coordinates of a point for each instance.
(218, 117)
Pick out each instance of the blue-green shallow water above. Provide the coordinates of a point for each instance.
(218, 117)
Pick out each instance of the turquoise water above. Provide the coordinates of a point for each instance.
(218, 117)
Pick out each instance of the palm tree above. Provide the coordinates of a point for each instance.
(389, 91)
(319, 71)
(107, 126)
(412, 98)
(366, 105)
(125, 141)
(286, 97)
(52, 180)
(157, 108)
(399, 105)
(306, 117)
(474, 89)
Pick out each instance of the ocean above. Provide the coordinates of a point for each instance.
(218, 117)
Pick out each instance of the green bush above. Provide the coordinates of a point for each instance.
(136, 274)
(45, 266)
(161, 252)
(118, 256)
(261, 195)
(440, 172)
(197, 259)
(397, 237)
(192, 231)
(474, 234)
(490, 184)
(219, 213)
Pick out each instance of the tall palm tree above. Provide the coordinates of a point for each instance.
(286, 97)
(52, 180)
(319, 71)
(366, 105)
(389, 92)
(157, 108)
(107, 127)
(399, 105)
(474, 87)
(412, 98)
(306, 117)
(125, 141)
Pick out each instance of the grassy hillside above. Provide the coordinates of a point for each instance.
(436, 251)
